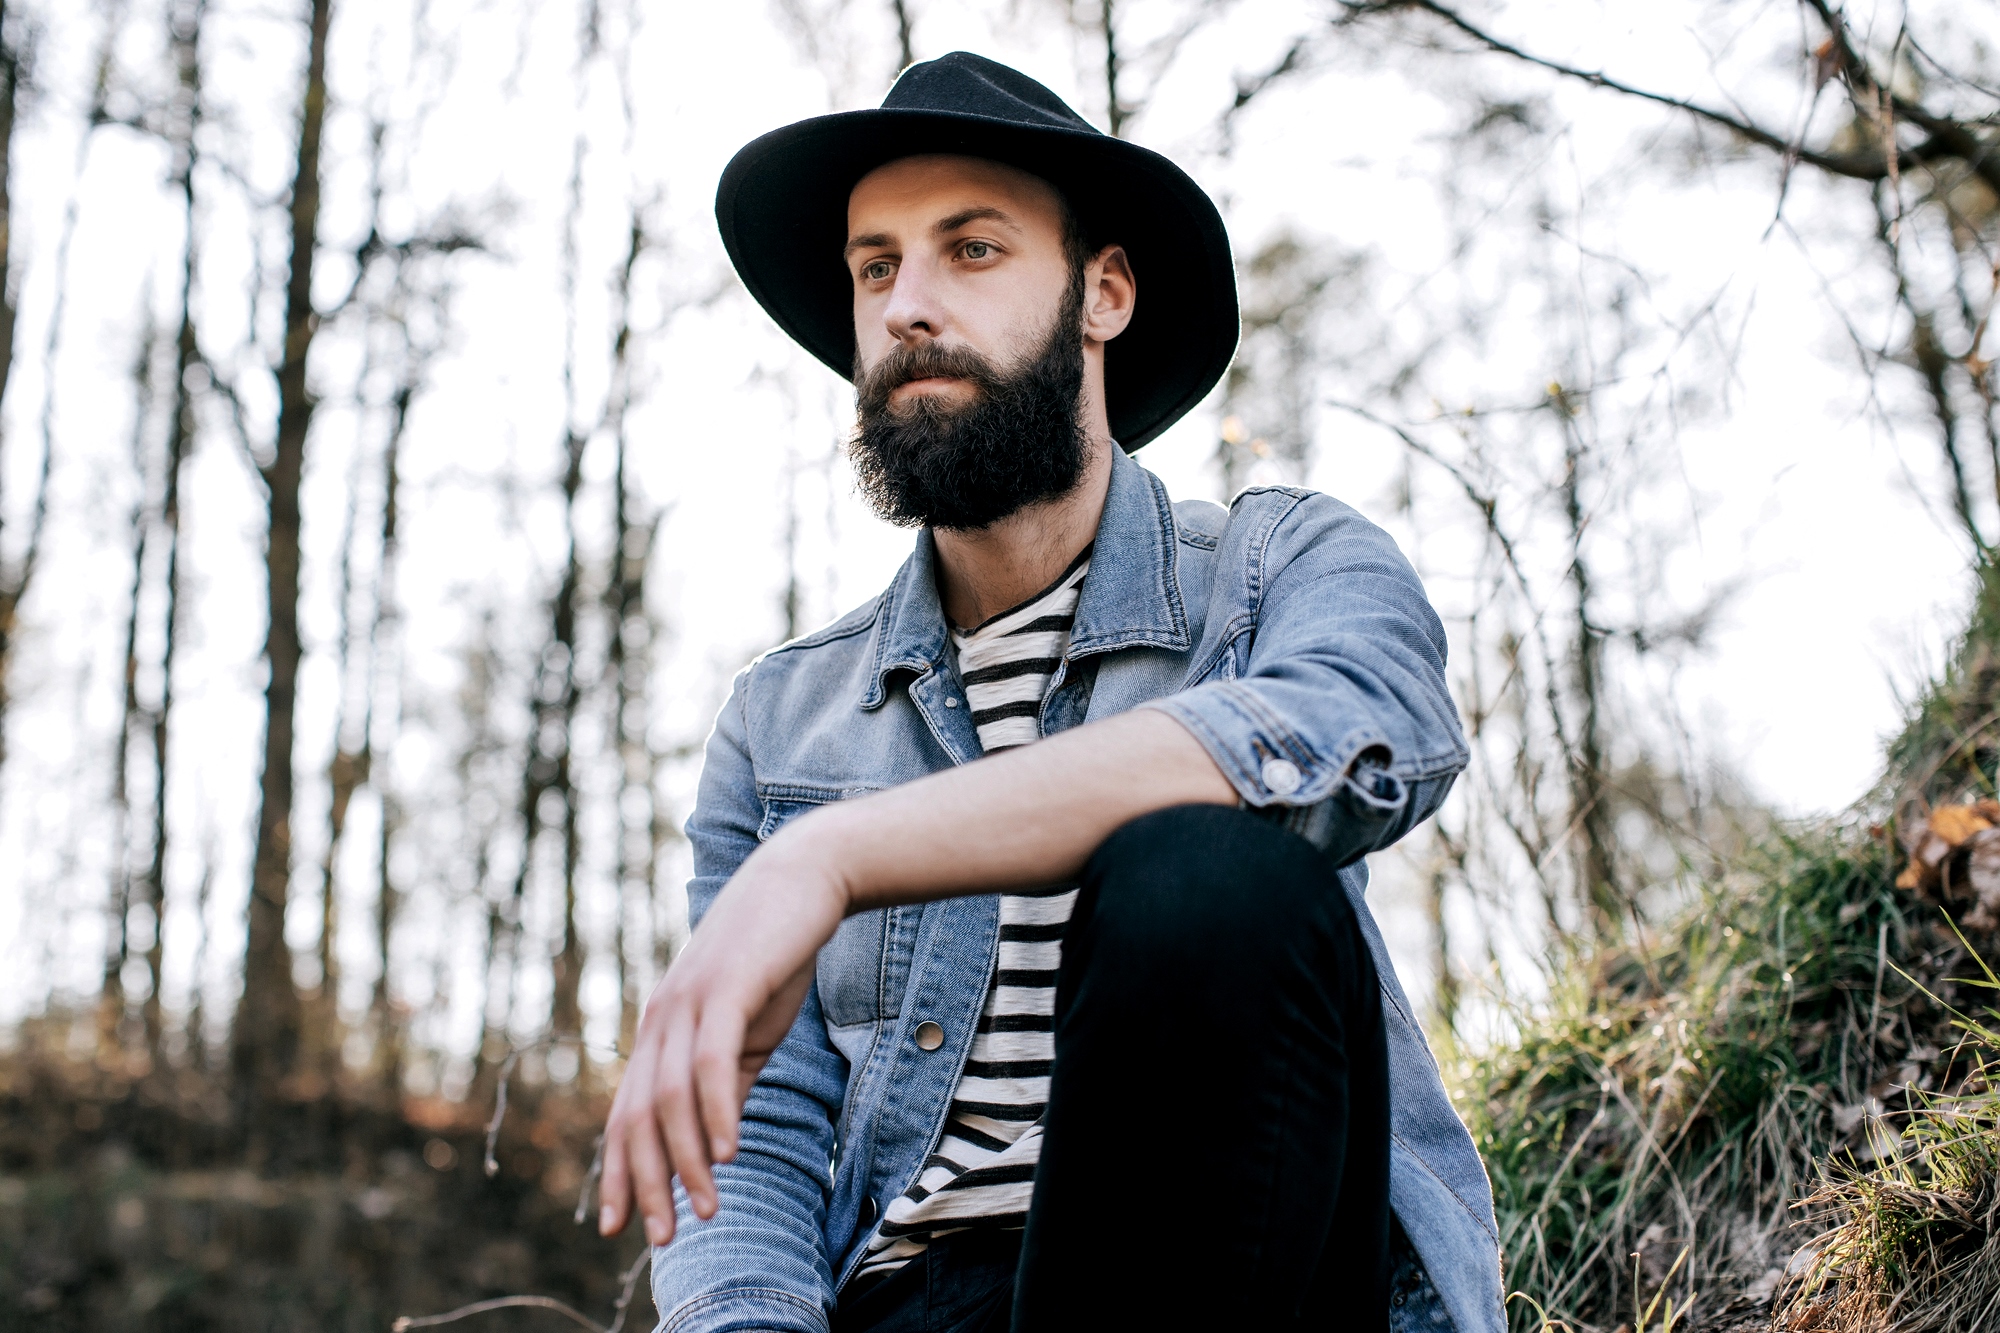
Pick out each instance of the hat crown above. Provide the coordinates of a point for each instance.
(968, 85)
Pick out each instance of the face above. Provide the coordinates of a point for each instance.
(955, 251)
(969, 342)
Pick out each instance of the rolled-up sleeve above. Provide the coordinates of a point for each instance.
(760, 1262)
(1328, 705)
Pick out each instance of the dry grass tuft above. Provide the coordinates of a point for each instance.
(1911, 1244)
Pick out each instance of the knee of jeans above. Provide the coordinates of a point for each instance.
(1196, 878)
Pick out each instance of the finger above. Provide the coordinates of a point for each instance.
(679, 1121)
(628, 1113)
(652, 1179)
(614, 1189)
(718, 1070)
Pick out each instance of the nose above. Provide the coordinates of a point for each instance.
(915, 311)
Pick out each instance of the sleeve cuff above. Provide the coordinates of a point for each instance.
(1264, 758)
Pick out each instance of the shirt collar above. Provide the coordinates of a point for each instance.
(1131, 597)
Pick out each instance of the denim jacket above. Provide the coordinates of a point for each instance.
(1289, 635)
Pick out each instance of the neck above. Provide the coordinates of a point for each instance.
(985, 571)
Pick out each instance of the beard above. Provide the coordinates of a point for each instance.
(1018, 442)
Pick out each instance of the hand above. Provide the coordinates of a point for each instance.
(731, 996)
(710, 1026)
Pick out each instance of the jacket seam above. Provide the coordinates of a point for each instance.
(1216, 745)
(1470, 1211)
(806, 791)
(680, 1317)
(1232, 629)
(1169, 574)
(833, 633)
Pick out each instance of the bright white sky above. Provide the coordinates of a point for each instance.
(1854, 580)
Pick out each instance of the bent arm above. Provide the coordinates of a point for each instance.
(1026, 818)
(1022, 819)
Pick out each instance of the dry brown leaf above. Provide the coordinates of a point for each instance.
(1956, 823)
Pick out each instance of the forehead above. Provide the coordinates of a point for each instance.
(921, 190)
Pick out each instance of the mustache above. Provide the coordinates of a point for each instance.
(906, 362)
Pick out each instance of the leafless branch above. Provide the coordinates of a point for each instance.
(1947, 139)
(622, 1308)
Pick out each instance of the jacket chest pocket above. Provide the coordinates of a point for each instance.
(860, 971)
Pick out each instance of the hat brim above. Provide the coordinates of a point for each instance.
(782, 211)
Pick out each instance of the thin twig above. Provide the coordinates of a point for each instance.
(629, 1286)
(514, 1055)
(644, 1260)
(407, 1322)
(590, 1180)
(499, 1111)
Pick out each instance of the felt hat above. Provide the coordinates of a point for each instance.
(782, 210)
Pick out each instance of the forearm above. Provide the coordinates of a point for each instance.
(1027, 818)
(1023, 819)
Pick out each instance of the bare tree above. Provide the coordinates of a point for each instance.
(118, 951)
(183, 125)
(1917, 132)
(265, 1041)
(18, 571)
(904, 26)
(628, 660)
(1271, 395)
(384, 675)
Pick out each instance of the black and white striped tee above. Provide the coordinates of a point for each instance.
(983, 1170)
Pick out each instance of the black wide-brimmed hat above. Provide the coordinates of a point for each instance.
(782, 208)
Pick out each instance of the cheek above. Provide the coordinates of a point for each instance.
(872, 340)
(1026, 310)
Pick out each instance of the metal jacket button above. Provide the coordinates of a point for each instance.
(867, 1211)
(929, 1036)
(1282, 776)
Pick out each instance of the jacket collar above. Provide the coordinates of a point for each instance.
(1131, 597)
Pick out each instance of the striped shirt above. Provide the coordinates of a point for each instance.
(983, 1169)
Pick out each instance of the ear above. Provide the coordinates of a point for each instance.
(1109, 291)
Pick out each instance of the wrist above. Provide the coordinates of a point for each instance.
(818, 848)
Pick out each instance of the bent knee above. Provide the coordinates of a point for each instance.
(1198, 876)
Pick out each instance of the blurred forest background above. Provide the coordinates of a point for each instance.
(393, 474)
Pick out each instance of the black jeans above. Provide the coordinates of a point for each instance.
(1216, 1145)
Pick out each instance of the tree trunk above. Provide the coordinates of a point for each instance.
(13, 582)
(111, 995)
(1590, 812)
(388, 1029)
(556, 695)
(1114, 109)
(566, 1013)
(383, 641)
(903, 26)
(266, 1037)
(186, 36)
(629, 657)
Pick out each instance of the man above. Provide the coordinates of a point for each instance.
(1032, 984)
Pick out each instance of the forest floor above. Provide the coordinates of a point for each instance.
(126, 1204)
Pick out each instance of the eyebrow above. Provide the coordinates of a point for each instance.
(983, 213)
(945, 226)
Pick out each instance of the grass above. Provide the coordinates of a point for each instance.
(1913, 1242)
(1781, 1069)
(1676, 1096)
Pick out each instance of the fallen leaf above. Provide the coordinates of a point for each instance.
(1956, 823)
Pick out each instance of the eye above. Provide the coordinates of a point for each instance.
(978, 249)
(877, 270)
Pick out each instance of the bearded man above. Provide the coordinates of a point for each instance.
(1032, 984)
